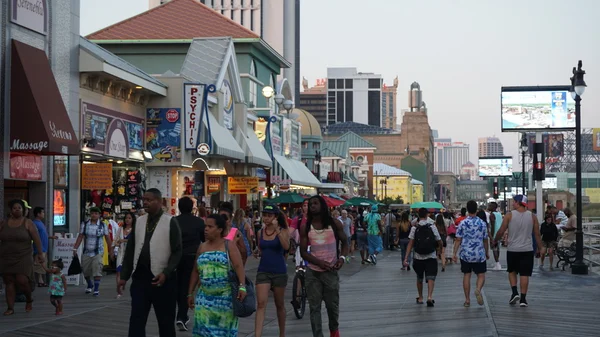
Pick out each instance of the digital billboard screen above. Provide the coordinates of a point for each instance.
(496, 167)
(537, 108)
(550, 183)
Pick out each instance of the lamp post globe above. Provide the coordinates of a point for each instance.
(268, 91)
(279, 98)
(288, 105)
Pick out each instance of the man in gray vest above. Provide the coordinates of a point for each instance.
(520, 224)
(152, 254)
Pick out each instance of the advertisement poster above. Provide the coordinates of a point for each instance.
(287, 137)
(160, 179)
(260, 129)
(214, 184)
(103, 124)
(296, 154)
(26, 167)
(163, 135)
(276, 145)
(242, 185)
(61, 174)
(60, 208)
(596, 139)
(495, 167)
(553, 144)
(227, 105)
(63, 249)
(96, 176)
(535, 110)
(187, 184)
(193, 95)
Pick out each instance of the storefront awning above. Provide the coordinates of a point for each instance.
(39, 122)
(297, 172)
(256, 153)
(222, 140)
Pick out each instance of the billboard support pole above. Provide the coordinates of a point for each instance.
(505, 195)
(539, 192)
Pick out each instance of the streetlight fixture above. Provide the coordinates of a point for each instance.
(577, 89)
(288, 105)
(279, 99)
(524, 149)
(318, 163)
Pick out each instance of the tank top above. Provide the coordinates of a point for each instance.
(242, 229)
(272, 259)
(520, 228)
(498, 216)
(322, 246)
(232, 234)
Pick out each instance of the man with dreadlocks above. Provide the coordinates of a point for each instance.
(324, 234)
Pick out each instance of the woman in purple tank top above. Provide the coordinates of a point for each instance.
(273, 242)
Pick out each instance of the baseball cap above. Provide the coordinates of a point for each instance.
(26, 204)
(272, 209)
(374, 209)
(95, 210)
(521, 199)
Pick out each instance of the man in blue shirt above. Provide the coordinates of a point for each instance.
(38, 216)
(472, 238)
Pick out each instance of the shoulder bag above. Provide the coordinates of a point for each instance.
(246, 307)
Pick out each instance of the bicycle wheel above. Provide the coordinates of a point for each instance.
(299, 296)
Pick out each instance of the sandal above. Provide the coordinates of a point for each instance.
(419, 302)
(466, 304)
(430, 303)
(28, 306)
(9, 312)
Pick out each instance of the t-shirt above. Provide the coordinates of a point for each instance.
(436, 233)
(94, 237)
(372, 220)
(347, 224)
(41, 228)
(473, 231)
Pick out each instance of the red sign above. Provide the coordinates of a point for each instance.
(172, 115)
(25, 167)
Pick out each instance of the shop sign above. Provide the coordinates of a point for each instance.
(163, 135)
(99, 124)
(160, 179)
(287, 137)
(284, 187)
(193, 97)
(63, 249)
(28, 167)
(278, 181)
(117, 144)
(59, 209)
(296, 154)
(32, 14)
(96, 176)
(242, 185)
(203, 149)
(214, 184)
(227, 105)
(276, 137)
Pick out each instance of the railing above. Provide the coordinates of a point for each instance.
(591, 242)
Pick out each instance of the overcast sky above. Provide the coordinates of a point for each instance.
(460, 51)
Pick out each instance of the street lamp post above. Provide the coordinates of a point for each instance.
(318, 163)
(524, 149)
(577, 89)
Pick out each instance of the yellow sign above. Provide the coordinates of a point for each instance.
(242, 185)
(96, 176)
(596, 139)
(593, 194)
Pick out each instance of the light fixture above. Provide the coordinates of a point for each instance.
(524, 145)
(577, 83)
(147, 155)
(138, 87)
(119, 162)
(288, 105)
(268, 91)
(279, 99)
(110, 160)
(87, 157)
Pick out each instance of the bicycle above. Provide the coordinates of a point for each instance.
(299, 296)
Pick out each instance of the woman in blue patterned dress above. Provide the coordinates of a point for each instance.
(213, 316)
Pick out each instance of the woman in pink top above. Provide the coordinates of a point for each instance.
(232, 234)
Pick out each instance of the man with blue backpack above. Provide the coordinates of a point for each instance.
(427, 244)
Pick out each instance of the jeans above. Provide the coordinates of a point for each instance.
(403, 246)
(143, 296)
(184, 271)
(323, 286)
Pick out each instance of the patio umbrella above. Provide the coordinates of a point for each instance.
(287, 198)
(357, 201)
(332, 202)
(430, 205)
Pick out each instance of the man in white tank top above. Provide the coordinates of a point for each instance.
(520, 223)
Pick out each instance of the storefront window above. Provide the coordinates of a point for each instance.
(60, 209)
(253, 86)
(60, 197)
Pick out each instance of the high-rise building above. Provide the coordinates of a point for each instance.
(275, 21)
(449, 156)
(353, 96)
(490, 147)
(314, 100)
(388, 105)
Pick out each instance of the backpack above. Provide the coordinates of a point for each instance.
(337, 239)
(425, 242)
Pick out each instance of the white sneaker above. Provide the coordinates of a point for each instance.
(498, 266)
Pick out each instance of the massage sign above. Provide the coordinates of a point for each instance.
(193, 99)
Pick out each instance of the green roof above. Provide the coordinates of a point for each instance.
(334, 148)
(355, 141)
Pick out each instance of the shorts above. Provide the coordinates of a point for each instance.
(353, 237)
(275, 280)
(549, 244)
(473, 267)
(91, 266)
(520, 262)
(55, 297)
(361, 241)
(38, 268)
(428, 267)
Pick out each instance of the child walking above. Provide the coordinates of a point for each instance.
(57, 286)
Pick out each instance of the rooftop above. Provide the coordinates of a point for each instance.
(380, 169)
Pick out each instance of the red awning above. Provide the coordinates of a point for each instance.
(39, 122)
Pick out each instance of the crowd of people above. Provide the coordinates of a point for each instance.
(189, 261)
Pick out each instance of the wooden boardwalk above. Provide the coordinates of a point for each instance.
(375, 301)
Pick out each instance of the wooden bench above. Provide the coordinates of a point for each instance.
(566, 255)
